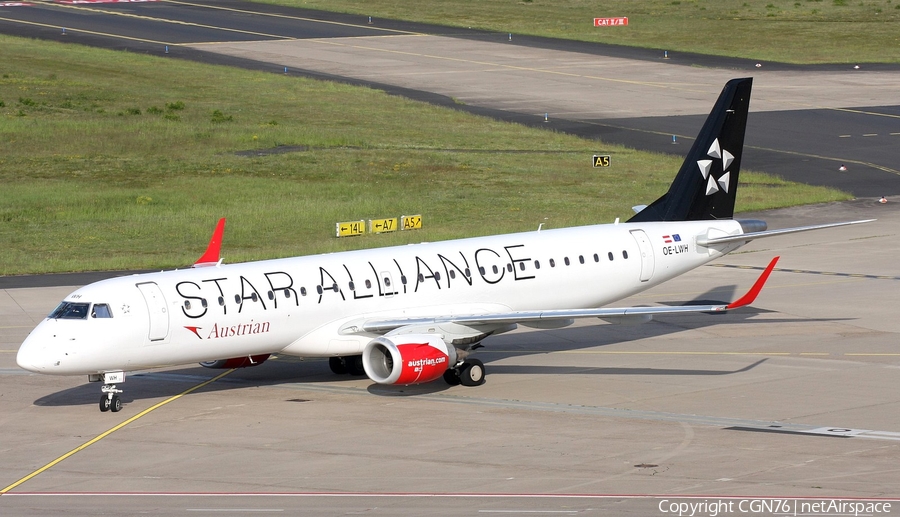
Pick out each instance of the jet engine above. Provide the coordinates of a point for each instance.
(407, 359)
(236, 362)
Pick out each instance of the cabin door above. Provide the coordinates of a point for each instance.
(647, 261)
(156, 308)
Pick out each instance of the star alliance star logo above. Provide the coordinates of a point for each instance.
(712, 185)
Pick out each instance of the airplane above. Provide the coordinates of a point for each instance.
(410, 314)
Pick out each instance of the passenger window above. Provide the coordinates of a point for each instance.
(481, 270)
(610, 255)
(509, 268)
(581, 259)
(452, 274)
(352, 286)
(566, 260)
(271, 295)
(368, 284)
(495, 270)
(101, 310)
(624, 254)
(334, 287)
(254, 297)
(302, 291)
(596, 258)
(203, 303)
(552, 263)
(221, 302)
(237, 299)
(537, 264)
(468, 273)
(522, 266)
(287, 293)
(319, 289)
(437, 276)
(421, 277)
(187, 305)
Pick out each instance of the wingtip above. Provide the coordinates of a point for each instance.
(751, 295)
(211, 256)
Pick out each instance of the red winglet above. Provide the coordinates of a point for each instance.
(211, 257)
(748, 298)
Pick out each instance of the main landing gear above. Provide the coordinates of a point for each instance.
(469, 373)
(351, 364)
(110, 400)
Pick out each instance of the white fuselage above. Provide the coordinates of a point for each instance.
(303, 306)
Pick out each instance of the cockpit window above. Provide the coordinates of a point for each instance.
(70, 311)
(101, 310)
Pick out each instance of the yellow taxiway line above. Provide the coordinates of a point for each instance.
(109, 432)
(289, 17)
(85, 31)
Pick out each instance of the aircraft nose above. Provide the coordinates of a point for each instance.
(32, 355)
(28, 357)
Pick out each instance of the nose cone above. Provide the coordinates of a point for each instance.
(28, 357)
(33, 354)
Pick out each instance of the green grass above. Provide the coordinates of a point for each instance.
(791, 31)
(111, 160)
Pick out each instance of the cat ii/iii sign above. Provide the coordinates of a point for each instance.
(609, 22)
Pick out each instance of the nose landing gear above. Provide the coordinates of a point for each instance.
(110, 400)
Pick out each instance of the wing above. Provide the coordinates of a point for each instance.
(477, 326)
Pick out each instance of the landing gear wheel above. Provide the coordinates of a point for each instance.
(110, 398)
(338, 365)
(355, 365)
(115, 405)
(471, 373)
(451, 377)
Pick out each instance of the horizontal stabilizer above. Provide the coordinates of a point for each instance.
(747, 237)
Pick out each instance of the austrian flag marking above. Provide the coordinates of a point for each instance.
(668, 239)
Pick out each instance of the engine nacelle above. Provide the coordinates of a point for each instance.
(407, 359)
(236, 362)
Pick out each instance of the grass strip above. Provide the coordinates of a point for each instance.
(111, 160)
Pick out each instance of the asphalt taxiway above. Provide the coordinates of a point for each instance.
(794, 396)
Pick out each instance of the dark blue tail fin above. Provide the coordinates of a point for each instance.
(706, 185)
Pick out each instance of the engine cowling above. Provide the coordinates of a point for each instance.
(407, 359)
(236, 362)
